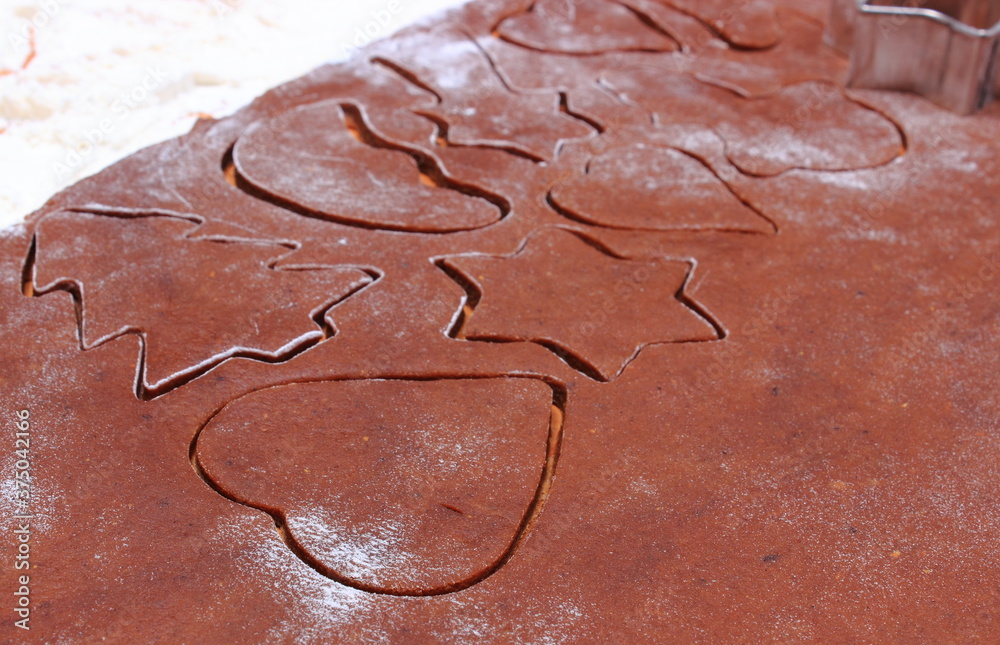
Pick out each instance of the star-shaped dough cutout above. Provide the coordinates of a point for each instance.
(592, 308)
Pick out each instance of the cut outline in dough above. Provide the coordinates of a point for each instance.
(145, 391)
(474, 293)
(528, 521)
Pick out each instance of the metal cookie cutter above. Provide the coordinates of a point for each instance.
(945, 50)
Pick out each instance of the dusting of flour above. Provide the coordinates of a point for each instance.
(84, 84)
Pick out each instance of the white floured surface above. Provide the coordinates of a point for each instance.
(110, 77)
